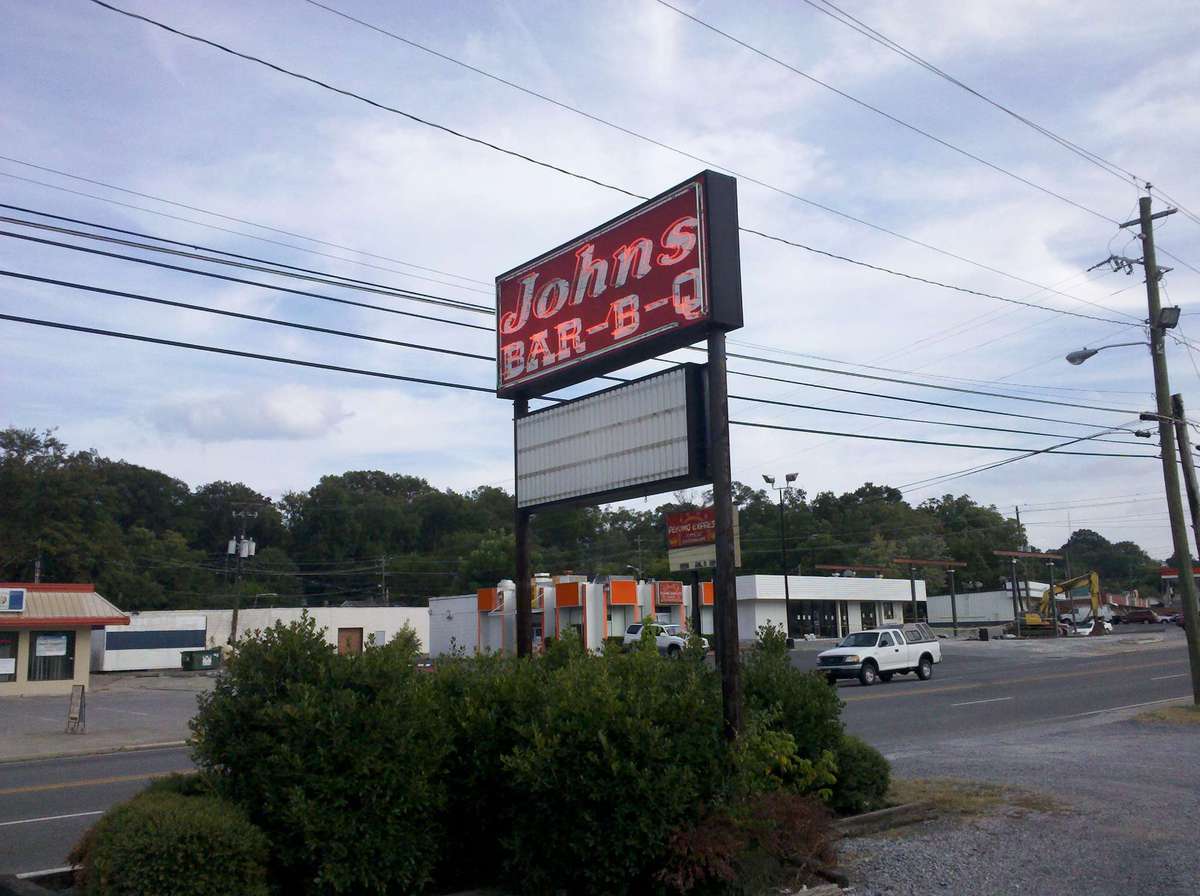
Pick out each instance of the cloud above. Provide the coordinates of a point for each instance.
(287, 413)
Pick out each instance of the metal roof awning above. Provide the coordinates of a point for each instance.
(60, 606)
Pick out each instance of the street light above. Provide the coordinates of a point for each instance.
(1079, 356)
(788, 479)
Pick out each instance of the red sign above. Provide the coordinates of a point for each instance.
(691, 528)
(669, 593)
(653, 279)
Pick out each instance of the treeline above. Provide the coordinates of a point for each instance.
(148, 541)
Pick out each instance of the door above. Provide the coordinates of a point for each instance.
(891, 651)
(844, 613)
(828, 619)
(350, 641)
(867, 610)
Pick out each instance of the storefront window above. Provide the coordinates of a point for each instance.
(888, 612)
(51, 656)
(8, 656)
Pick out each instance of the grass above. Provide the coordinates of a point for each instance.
(953, 796)
(1172, 715)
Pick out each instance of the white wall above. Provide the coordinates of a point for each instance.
(828, 588)
(979, 606)
(453, 624)
(104, 659)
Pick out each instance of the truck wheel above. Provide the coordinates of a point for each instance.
(673, 651)
(885, 677)
(868, 674)
(925, 668)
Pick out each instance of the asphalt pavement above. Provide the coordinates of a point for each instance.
(980, 689)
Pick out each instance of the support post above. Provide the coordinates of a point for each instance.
(1166, 436)
(724, 581)
(1016, 600)
(1189, 464)
(1054, 600)
(953, 601)
(788, 626)
(697, 604)
(912, 587)
(521, 530)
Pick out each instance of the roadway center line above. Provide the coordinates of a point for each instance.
(4, 824)
(1096, 712)
(90, 782)
(976, 702)
(1165, 677)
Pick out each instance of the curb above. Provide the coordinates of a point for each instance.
(884, 819)
(97, 751)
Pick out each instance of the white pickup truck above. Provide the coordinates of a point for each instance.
(879, 654)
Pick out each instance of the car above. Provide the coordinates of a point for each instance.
(878, 654)
(671, 640)
(1179, 621)
(1085, 627)
(1143, 615)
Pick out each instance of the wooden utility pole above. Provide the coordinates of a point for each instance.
(524, 593)
(1189, 465)
(1166, 437)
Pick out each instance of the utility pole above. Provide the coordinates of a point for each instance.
(1054, 601)
(697, 601)
(953, 600)
(1016, 599)
(521, 526)
(1166, 436)
(1189, 465)
(383, 592)
(37, 568)
(789, 617)
(1024, 569)
(241, 548)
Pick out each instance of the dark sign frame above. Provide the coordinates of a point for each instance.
(719, 260)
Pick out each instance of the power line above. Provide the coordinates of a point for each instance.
(894, 419)
(294, 272)
(241, 233)
(892, 118)
(853, 435)
(559, 169)
(936, 404)
(663, 145)
(844, 18)
(243, 316)
(217, 350)
(257, 283)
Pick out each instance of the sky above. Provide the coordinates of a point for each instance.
(234, 156)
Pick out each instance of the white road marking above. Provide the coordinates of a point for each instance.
(129, 712)
(974, 702)
(4, 824)
(1094, 712)
(1165, 677)
(27, 874)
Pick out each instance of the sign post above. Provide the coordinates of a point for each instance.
(662, 276)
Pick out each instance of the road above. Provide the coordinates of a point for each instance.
(979, 688)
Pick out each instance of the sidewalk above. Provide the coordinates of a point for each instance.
(123, 711)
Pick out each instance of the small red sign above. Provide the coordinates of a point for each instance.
(669, 593)
(691, 528)
(653, 279)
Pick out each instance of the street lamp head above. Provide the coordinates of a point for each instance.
(791, 477)
(1078, 357)
(769, 480)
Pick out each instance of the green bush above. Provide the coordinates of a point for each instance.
(335, 757)
(621, 750)
(161, 843)
(800, 703)
(863, 777)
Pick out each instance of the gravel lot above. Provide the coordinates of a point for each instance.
(1130, 798)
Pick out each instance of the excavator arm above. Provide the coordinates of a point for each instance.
(1048, 609)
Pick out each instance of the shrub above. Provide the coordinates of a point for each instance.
(166, 844)
(620, 752)
(800, 703)
(863, 777)
(335, 757)
(748, 846)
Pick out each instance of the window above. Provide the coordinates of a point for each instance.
(633, 629)
(51, 656)
(888, 611)
(8, 656)
(885, 640)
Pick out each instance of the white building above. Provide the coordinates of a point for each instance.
(984, 607)
(156, 639)
(824, 606)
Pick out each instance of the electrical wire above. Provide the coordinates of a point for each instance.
(662, 145)
(852, 435)
(892, 118)
(557, 168)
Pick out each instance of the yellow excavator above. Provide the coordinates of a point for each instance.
(1042, 622)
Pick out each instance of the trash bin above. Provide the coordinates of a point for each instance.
(983, 634)
(200, 660)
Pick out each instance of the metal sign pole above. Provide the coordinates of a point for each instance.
(521, 530)
(724, 581)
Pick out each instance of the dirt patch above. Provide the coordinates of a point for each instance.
(957, 797)
(1172, 715)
